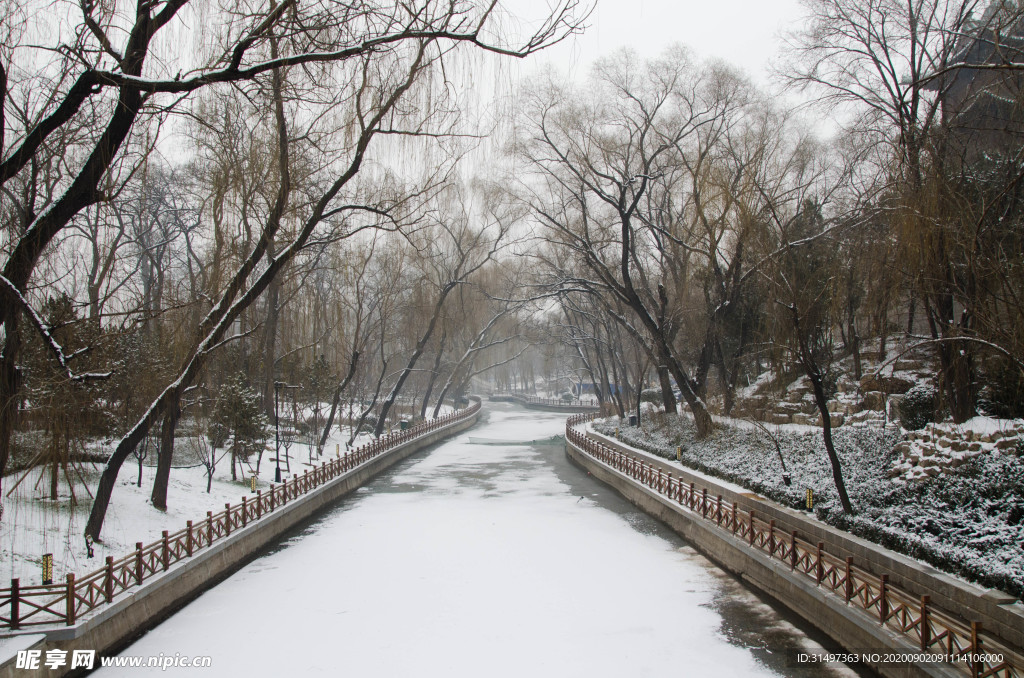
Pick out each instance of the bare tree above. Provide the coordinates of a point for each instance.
(897, 66)
(382, 54)
(600, 157)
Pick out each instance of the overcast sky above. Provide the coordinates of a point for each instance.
(744, 32)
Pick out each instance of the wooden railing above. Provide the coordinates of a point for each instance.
(65, 603)
(937, 634)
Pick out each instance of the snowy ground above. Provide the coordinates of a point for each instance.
(968, 521)
(483, 560)
(33, 524)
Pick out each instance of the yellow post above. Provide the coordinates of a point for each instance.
(252, 483)
(810, 499)
(679, 453)
(337, 449)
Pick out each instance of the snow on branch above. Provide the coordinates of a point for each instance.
(14, 295)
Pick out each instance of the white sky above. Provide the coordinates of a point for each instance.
(746, 33)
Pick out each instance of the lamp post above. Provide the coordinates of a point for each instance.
(277, 435)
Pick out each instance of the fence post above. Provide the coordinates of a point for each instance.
(883, 598)
(819, 568)
(227, 519)
(108, 579)
(734, 517)
(704, 503)
(209, 528)
(188, 538)
(750, 531)
(245, 511)
(15, 603)
(138, 562)
(718, 512)
(792, 551)
(70, 599)
(166, 555)
(259, 504)
(975, 658)
(848, 581)
(771, 538)
(925, 628)
(693, 496)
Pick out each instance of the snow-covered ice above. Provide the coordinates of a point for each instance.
(483, 560)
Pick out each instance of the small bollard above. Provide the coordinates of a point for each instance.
(252, 483)
(679, 453)
(337, 449)
(810, 499)
(47, 569)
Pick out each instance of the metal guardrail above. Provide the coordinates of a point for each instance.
(22, 606)
(938, 634)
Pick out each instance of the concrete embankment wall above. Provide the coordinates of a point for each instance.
(851, 628)
(116, 625)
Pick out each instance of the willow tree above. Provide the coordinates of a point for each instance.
(119, 68)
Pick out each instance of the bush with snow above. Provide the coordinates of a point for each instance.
(917, 408)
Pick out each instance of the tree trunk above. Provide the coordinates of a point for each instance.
(826, 431)
(668, 396)
(105, 487)
(958, 375)
(616, 386)
(433, 374)
(10, 383)
(166, 454)
(421, 345)
(270, 339)
(336, 400)
(369, 408)
(701, 417)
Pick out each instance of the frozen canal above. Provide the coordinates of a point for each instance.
(482, 560)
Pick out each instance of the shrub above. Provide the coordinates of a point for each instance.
(917, 408)
(651, 395)
(1003, 393)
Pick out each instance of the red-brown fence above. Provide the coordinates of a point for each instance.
(935, 632)
(22, 606)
